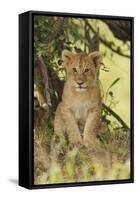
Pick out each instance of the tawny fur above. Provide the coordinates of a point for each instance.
(79, 112)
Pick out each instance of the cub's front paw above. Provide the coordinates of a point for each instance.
(89, 141)
(76, 139)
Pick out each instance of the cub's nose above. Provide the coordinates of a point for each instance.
(80, 82)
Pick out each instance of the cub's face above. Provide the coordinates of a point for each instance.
(81, 69)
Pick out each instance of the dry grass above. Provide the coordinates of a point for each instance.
(61, 163)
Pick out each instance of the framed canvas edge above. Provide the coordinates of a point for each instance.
(24, 101)
(81, 15)
(30, 184)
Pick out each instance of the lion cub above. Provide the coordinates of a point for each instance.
(78, 115)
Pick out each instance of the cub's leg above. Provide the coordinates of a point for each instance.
(65, 122)
(91, 127)
(59, 127)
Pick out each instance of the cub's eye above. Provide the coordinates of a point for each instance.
(74, 69)
(86, 70)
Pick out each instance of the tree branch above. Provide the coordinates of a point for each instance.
(58, 29)
(116, 116)
(45, 79)
(106, 43)
(120, 28)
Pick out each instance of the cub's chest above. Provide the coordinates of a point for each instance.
(80, 109)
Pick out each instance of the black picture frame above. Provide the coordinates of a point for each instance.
(26, 63)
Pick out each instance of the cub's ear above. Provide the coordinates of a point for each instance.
(96, 57)
(66, 56)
